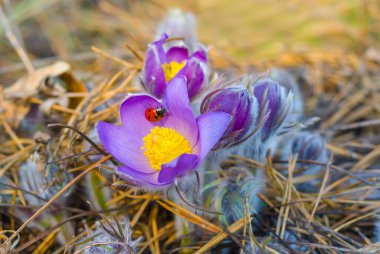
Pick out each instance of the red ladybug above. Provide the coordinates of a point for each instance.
(155, 114)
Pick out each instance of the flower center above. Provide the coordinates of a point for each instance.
(171, 69)
(162, 145)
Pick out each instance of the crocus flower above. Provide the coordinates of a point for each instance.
(278, 103)
(154, 152)
(179, 24)
(161, 66)
(112, 236)
(241, 105)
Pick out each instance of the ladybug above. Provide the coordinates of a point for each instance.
(155, 114)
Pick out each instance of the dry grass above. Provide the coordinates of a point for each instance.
(331, 46)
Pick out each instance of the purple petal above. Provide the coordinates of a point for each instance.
(268, 91)
(200, 54)
(211, 127)
(148, 181)
(132, 114)
(177, 54)
(180, 116)
(235, 101)
(160, 47)
(194, 71)
(154, 77)
(124, 146)
(177, 167)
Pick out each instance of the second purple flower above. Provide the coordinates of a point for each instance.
(162, 65)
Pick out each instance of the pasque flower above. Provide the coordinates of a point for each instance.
(230, 195)
(39, 183)
(277, 101)
(311, 147)
(241, 105)
(162, 65)
(44, 183)
(154, 150)
(287, 80)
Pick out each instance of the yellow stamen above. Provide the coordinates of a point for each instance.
(162, 145)
(171, 69)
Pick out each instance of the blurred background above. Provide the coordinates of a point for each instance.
(329, 46)
(242, 33)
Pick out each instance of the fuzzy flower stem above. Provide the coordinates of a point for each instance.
(184, 199)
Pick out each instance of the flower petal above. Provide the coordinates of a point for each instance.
(177, 54)
(195, 73)
(124, 145)
(200, 54)
(280, 103)
(154, 77)
(211, 127)
(132, 113)
(177, 167)
(180, 116)
(159, 44)
(148, 181)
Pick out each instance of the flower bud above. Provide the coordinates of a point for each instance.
(237, 102)
(162, 65)
(308, 147)
(179, 24)
(230, 197)
(285, 79)
(276, 102)
(110, 236)
(34, 178)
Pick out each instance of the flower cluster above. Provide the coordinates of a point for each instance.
(162, 137)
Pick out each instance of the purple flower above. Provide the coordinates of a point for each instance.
(241, 105)
(161, 66)
(154, 153)
(276, 101)
(287, 80)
